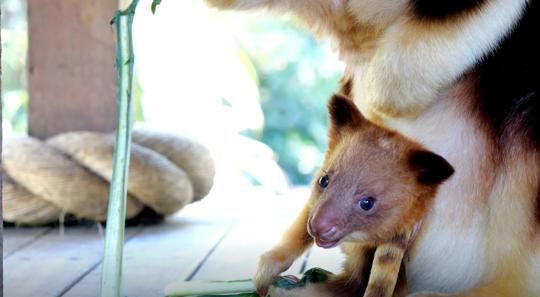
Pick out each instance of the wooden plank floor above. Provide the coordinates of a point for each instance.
(211, 240)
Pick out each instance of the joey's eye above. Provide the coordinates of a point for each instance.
(366, 203)
(324, 181)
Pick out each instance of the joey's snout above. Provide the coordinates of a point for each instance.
(322, 228)
(325, 227)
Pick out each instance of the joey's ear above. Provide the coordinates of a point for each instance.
(430, 167)
(343, 113)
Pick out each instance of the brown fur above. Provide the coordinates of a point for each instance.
(362, 158)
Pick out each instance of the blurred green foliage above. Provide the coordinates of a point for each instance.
(14, 52)
(296, 75)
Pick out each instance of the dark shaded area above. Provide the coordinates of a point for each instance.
(507, 82)
(146, 217)
(507, 87)
(443, 9)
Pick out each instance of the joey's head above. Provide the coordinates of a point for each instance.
(374, 182)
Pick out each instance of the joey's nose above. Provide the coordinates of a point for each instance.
(321, 228)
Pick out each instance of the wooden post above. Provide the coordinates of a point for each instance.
(72, 79)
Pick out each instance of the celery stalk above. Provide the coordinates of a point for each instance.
(180, 289)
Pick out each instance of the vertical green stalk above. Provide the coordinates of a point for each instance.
(111, 278)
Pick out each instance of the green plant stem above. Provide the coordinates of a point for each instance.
(111, 278)
(191, 288)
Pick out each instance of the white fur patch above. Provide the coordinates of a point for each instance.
(442, 262)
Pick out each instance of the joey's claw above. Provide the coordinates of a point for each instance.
(262, 292)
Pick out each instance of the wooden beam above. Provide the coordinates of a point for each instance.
(72, 80)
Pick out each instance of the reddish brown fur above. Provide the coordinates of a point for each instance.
(364, 156)
(361, 158)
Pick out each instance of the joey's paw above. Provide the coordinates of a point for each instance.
(271, 264)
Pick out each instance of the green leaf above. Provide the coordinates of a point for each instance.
(253, 294)
(286, 283)
(317, 275)
(155, 3)
(314, 275)
(208, 289)
(227, 289)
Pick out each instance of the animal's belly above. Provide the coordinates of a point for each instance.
(445, 259)
(449, 253)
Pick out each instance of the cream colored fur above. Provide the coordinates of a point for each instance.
(415, 59)
(477, 238)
